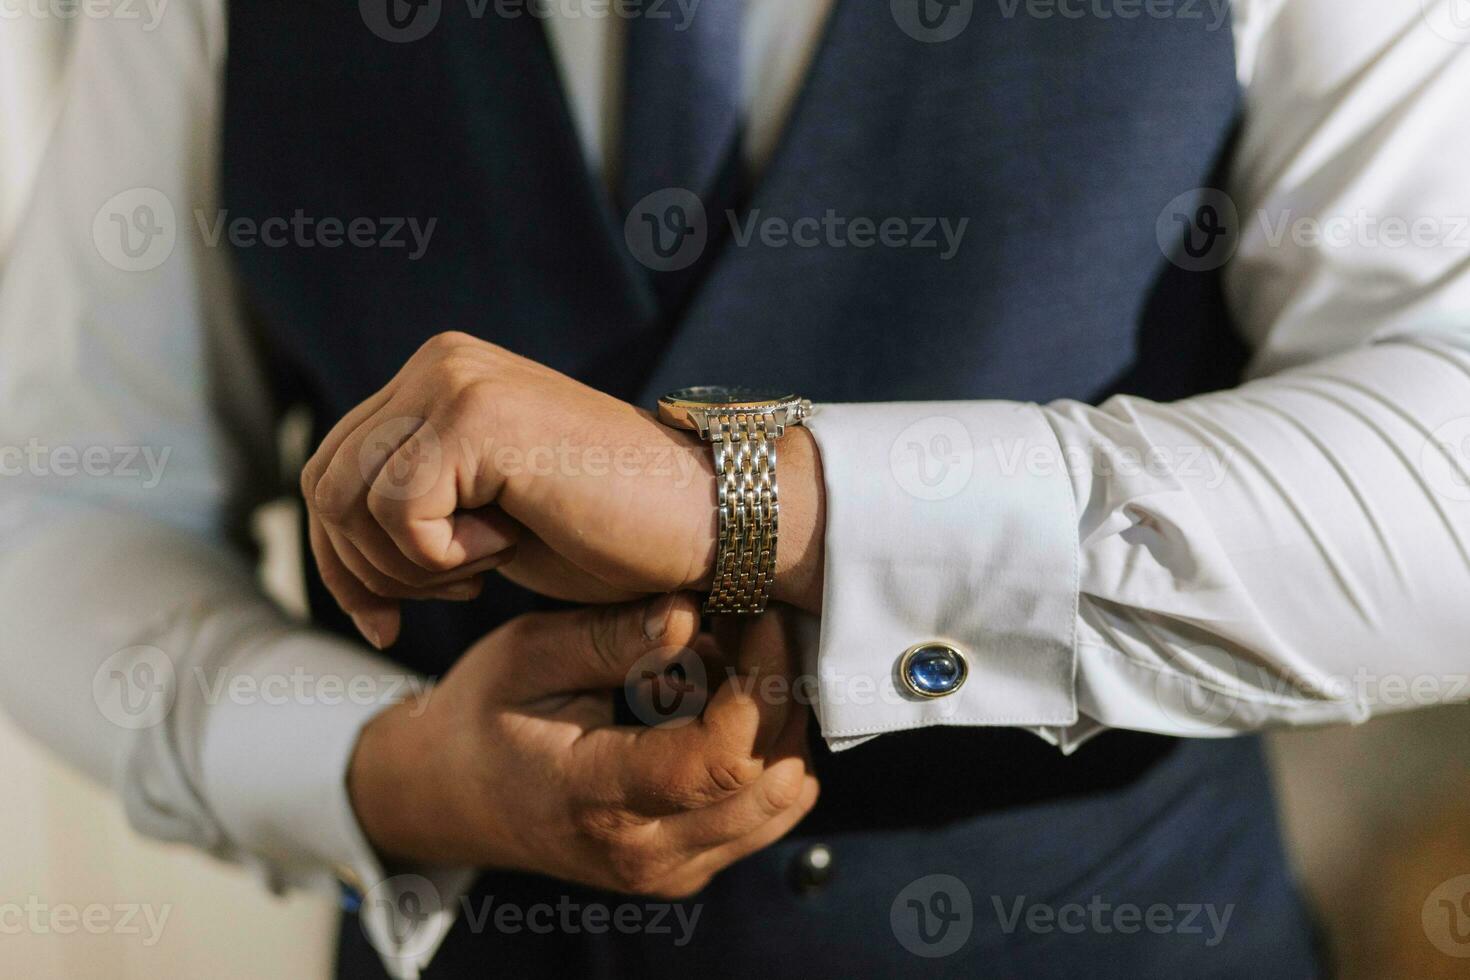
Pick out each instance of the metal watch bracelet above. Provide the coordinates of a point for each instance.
(744, 447)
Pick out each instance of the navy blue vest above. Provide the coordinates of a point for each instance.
(1060, 139)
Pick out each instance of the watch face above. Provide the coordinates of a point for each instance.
(729, 395)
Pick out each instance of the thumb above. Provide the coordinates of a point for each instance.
(594, 648)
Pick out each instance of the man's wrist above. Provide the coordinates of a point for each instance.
(400, 815)
(799, 545)
(369, 772)
(799, 549)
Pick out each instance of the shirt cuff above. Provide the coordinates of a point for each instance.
(952, 522)
(278, 739)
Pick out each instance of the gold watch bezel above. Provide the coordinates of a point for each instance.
(691, 413)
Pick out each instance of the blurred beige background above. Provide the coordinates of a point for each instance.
(1377, 817)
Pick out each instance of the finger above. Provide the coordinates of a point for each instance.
(538, 568)
(780, 787)
(381, 622)
(716, 664)
(777, 790)
(340, 495)
(696, 873)
(369, 434)
(722, 752)
(376, 618)
(338, 505)
(432, 498)
(316, 466)
(381, 552)
(390, 588)
(594, 648)
(727, 629)
(670, 686)
(483, 532)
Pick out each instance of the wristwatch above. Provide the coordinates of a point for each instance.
(742, 426)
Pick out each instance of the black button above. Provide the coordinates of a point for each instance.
(812, 868)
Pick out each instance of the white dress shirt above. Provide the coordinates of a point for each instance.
(1293, 551)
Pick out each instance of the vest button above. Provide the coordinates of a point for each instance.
(812, 868)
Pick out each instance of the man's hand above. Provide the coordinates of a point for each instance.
(515, 762)
(473, 458)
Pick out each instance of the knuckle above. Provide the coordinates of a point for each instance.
(525, 629)
(474, 394)
(454, 338)
(415, 546)
(311, 474)
(637, 870)
(602, 636)
(330, 499)
(386, 509)
(779, 791)
(410, 540)
(681, 888)
(627, 847)
(599, 823)
(447, 342)
(729, 772)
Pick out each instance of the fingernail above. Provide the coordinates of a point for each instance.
(463, 590)
(368, 630)
(497, 541)
(656, 618)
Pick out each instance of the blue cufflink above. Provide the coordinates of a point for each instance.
(932, 670)
(349, 899)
